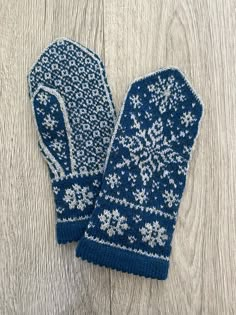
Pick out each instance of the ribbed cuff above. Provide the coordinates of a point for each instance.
(122, 260)
(70, 231)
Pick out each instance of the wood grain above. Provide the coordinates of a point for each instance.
(133, 37)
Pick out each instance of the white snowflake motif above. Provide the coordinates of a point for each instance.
(60, 210)
(57, 145)
(166, 93)
(46, 135)
(60, 133)
(149, 149)
(187, 149)
(132, 178)
(187, 119)
(78, 197)
(96, 183)
(132, 239)
(170, 198)
(50, 122)
(135, 100)
(137, 218)
(182, 170)
(56, 190)
(113, 180)
(90, 225)
(43, 98)
(169, 123)
(40, 111)
(153, 234)
(140, 196)
(113, 223)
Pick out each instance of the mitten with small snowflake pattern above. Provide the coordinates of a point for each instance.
(74, 115)
(135, 214)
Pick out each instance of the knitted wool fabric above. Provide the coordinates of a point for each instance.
(74, 115)
(134, 218)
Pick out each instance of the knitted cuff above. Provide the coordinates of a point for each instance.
(121, 259)
(126, 252)
(74, 198)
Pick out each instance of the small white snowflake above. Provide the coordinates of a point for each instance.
(50, 122)
(113, 223)
(78, 197)
(140, 196)
(56, 190)
(90, 225)
(137, 218)
(60, 210)
(96, 183)
(60, 133)
(132, 239)
(170, 198)
(153, 234)
(46, 135)
(135, 101)
(43, 98)
(169, 123)
(187, 119)
(57, 145)
(40, 111)
(113, 180)
(54, 108)
(182, 170)
(132, 178)
(187, 149)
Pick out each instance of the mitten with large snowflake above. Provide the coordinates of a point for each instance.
(135, 214)
(74, 115)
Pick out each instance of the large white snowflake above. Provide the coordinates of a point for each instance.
(140, 196)
(166, 93)
(149, 149)
(113, 180)
(187, 119)
(49, 122)
(113, 223)
(78, 197)
(43, 98)
(170, 198)
(153, 234)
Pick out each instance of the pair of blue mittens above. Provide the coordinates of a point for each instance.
(117, 185)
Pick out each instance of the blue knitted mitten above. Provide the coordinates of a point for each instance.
(135, 214)
(75, 117)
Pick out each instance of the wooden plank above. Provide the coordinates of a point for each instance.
(38, 276)
(198, 37)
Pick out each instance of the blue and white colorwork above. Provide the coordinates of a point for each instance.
(135, 214)
(75, 117)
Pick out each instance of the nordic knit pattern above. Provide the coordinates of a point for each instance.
(134, 218)
(74, 115)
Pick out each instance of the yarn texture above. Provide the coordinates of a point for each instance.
(75, 116)
(135, 214)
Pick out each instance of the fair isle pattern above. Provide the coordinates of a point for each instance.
(78, 76)
(75, 116)
(145, 174)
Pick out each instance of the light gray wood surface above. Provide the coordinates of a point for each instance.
(133, 38)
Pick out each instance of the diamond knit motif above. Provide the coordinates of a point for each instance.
(75, 116)
(145, 176)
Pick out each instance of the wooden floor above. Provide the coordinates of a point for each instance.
(133, 38)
